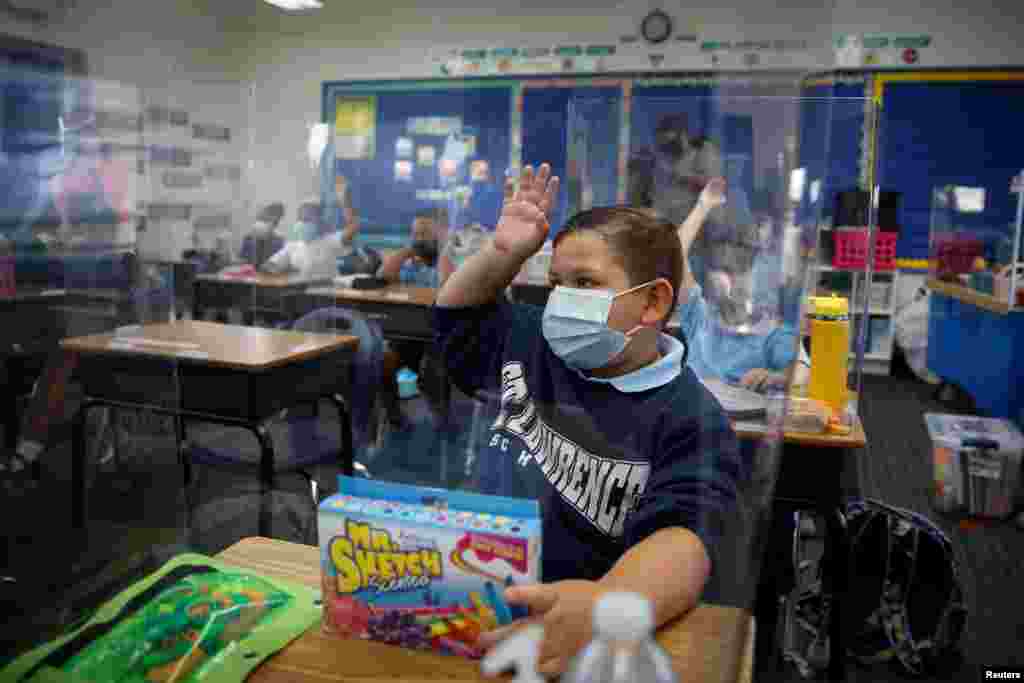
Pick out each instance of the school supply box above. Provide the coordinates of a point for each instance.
(977, 464)
(421, 567)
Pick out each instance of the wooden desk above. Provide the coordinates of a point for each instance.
(225, 374)
(711, 644)
(810, 476)
(261, 293)
(403, 311)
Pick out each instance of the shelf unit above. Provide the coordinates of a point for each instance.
(852, 285)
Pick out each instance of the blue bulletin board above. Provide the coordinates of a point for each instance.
(948, 128)
(831, 140)
(424, 139)
(586, 127)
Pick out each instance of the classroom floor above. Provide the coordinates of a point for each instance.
(138, 519)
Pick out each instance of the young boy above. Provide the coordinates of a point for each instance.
(417, 264)
(726, 334)
(631, 458)
(313, 248)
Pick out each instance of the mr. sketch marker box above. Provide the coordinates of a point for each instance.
(421, 567)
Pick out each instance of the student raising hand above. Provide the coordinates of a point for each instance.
(521, 231)
(523, 225)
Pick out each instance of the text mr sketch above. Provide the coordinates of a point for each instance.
(1003, 675)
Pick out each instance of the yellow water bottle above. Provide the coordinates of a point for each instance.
(830, 351)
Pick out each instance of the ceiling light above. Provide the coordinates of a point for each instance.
(296, 5)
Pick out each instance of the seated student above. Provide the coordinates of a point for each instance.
(417, 264)
(313, 247)
(727, 335)
(631, 458)
(263, 242)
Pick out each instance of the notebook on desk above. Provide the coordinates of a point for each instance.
(737, 402)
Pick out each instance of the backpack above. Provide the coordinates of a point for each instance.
(905, 602)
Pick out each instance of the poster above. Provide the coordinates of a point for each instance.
(355, 122)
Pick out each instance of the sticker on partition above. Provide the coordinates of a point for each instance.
(403, 148)
(426, 155)
(403, 171)
(479, 170)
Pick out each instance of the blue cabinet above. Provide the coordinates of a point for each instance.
(980, 351)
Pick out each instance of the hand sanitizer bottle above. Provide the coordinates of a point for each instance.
(623, 649)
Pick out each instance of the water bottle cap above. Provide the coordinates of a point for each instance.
(830, 305)
(622, 615)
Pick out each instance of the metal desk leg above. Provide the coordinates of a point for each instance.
(266, 476)
(837, 552)
(197, 307)
(78, 464)
(347, 455)
(11, 418)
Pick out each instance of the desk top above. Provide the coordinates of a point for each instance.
(855, 439)
(32, 295)
(973, 297)
(711, 644)
(401, 294)
(234, 346)
(263, 279)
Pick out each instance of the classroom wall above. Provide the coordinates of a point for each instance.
(286, 58)
(153, 53)
(283, 59)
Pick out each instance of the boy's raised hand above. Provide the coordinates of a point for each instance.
(523, 226)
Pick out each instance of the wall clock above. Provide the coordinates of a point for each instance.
(656, 27)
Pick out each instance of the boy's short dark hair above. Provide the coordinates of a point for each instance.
(647, 247)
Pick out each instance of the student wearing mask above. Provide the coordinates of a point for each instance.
(731, 336)
(669, 178)
(263, 242)
(631, 458)
(313, 247)
(418, 265)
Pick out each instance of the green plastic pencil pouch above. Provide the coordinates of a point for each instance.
(195, 620)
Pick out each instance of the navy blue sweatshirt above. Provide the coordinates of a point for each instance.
(609, 468)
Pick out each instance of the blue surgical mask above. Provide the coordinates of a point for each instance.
(575, 325)
(303, 231)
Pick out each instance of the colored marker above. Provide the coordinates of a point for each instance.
(497, 604)
(517, 611)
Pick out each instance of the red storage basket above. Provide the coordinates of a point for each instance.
(851, 249)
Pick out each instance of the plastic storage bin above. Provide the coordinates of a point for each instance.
(977, 464)
(851, 249)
